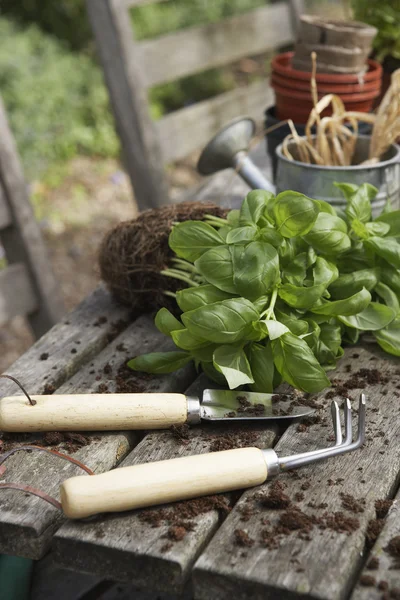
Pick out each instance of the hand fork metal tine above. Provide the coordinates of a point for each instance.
(347, 445)
(336, 423)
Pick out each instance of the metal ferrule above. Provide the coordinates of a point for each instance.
(193, 410)
(272, 462)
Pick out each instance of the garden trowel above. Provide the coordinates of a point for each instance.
(101, 412)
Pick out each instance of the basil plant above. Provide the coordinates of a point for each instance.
(277, 288)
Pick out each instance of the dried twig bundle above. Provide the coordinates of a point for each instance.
(387, 125)
(334, 143)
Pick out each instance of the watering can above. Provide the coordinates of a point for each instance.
(229, 149)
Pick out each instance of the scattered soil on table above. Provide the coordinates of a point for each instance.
(367, 581)
(351, 504)
(242, 538)
(382, 508)
(180, 433)
(374, 529)
(69, 441)
(132, 255)
(373, 563)
(131, 382)
(275, 497)
(360, 380)
(229, 441)
(178, 517)
(393, 548)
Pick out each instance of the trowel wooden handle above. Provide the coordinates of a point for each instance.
(164, 481)
(92, 412)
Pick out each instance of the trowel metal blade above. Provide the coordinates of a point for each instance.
(226, 405)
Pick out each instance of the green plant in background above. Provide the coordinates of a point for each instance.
(385, 16)
(276, 288)
(56, 101)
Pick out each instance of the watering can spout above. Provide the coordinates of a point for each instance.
(228, 149)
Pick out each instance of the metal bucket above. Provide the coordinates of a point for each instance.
(316, 181)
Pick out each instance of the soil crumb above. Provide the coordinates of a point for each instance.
(180, 433)
(242, 538)
(275, 498)
(374, 528)
(351, 504)
(382, 508)
(373, 563)
(238, 439)
(367, 580)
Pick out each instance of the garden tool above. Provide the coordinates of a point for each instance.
(101, 412)
(230, 146)
(192, 476)
(187, 477)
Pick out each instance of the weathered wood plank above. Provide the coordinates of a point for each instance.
(129, 548)
(387, 567)
(5, 216)
(216, 44)
(23, 242)
(17, 296)
(123, 71)
(190, 128)
(26, 523)
(325, 565)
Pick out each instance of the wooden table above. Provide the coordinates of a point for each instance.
(226, 553)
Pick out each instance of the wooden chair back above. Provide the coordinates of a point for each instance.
(132, 67)
(27, 285)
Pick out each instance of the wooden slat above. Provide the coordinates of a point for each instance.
(189, 129)
(23, 243)
(17, 296)
(196, 49)
(125, 80)
(388, 569)
(126, 548)
(26, 523)
(325, 565)
(5, 216)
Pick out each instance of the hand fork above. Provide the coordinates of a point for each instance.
(187, 477)
(193, 476)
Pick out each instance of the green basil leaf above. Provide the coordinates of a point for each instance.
(255, 269)
(212, 373)
(253, 207)
(160, 362)
(391, 277)
(348, 284)
(260, 303)
(378, 228)
(359, 204)
(301, 297)
(312, 336)
(388, 296)
(217, 268)
(275, 329)
(193, 297)
(271, 236)
(388, 248)
(191, 239)
(348, 306)
(329, 235)
(242, 234)
(262, 367)
(295, 214)
(204, 353)
(166, 322)
(326, 207)
(348, 189)
(295, 272)
(360, 229)
(350, 335)
(232, 362)
(393, 220)
(297, 364)
(187, 341)
(329, 342)
(233, 217)
(222, 322)
(295, 324)
(389, 338)
(375, 316)
(324, 272)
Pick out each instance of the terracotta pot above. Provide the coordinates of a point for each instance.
(293, 88)
(341, 46)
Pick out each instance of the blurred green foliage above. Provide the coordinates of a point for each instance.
(53, 89)
(56, 101)
(385, 16)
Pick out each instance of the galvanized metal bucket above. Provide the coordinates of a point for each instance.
(316, 181)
